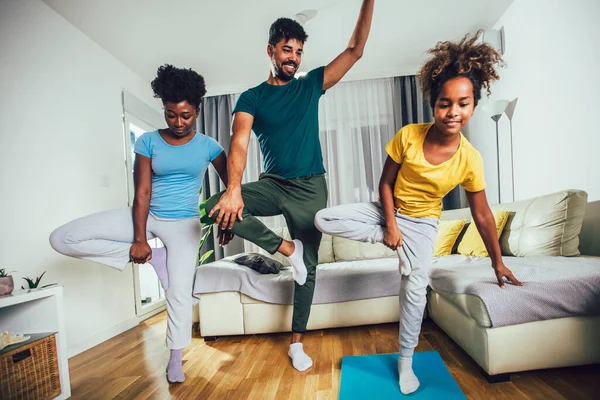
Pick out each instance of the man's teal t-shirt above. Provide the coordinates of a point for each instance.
(286, 124)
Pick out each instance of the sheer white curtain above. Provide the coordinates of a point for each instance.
(356, 121)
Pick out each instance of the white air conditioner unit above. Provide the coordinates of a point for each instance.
(495, 38)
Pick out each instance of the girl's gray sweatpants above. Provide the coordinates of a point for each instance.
(365, 222)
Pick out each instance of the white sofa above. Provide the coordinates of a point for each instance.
(544, 225)
(535, 228)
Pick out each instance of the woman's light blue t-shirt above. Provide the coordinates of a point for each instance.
(177, 173)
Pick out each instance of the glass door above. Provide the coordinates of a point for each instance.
(149, 295)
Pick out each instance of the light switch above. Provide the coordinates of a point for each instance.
(104, 180)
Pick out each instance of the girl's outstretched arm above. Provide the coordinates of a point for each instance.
(486, 225)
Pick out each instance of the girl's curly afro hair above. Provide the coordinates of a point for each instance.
(476, 61)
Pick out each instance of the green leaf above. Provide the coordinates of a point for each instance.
(204, 220)
(30, 283)
(206, 235)
(205, 256)
(48, 285)
(38, 280)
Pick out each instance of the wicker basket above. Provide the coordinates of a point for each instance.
(30, 371)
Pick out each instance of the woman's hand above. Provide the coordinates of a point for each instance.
(140, 252)
(225, 236)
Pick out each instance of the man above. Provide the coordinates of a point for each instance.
(283, 112)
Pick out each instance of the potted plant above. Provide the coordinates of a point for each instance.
(35, 284)
(7, 284)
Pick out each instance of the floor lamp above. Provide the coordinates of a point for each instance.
(510, 111)
(495, 109)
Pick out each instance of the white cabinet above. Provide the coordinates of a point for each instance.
(39, 311)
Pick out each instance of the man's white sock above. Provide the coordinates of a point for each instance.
(300, 360)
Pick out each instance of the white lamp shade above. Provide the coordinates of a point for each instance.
(510, 109)
(495, 109)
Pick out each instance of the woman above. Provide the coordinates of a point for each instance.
(169, 168)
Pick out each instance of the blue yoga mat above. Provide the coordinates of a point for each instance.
(376, 377)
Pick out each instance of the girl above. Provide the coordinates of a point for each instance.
(424, 163)
(169, 167)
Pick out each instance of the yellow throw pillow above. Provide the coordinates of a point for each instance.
(472, 243)
(448, 232)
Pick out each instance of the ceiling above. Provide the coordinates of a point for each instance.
(226, 40)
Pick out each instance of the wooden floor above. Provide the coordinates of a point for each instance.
(132, 366)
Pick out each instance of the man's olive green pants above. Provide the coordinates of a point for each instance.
(298, 200)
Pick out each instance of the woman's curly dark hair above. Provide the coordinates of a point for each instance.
(175, 85)
(286, 28)
(465, 58)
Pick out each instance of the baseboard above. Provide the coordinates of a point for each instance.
(152, 313)
(100, 337)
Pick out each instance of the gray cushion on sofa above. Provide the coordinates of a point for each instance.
(260, 263)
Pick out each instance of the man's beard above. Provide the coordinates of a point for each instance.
(282, 74)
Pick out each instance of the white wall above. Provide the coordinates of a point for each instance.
(60, 138)
(552, 56)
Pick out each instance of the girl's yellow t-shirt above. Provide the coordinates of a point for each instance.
(420, 186)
